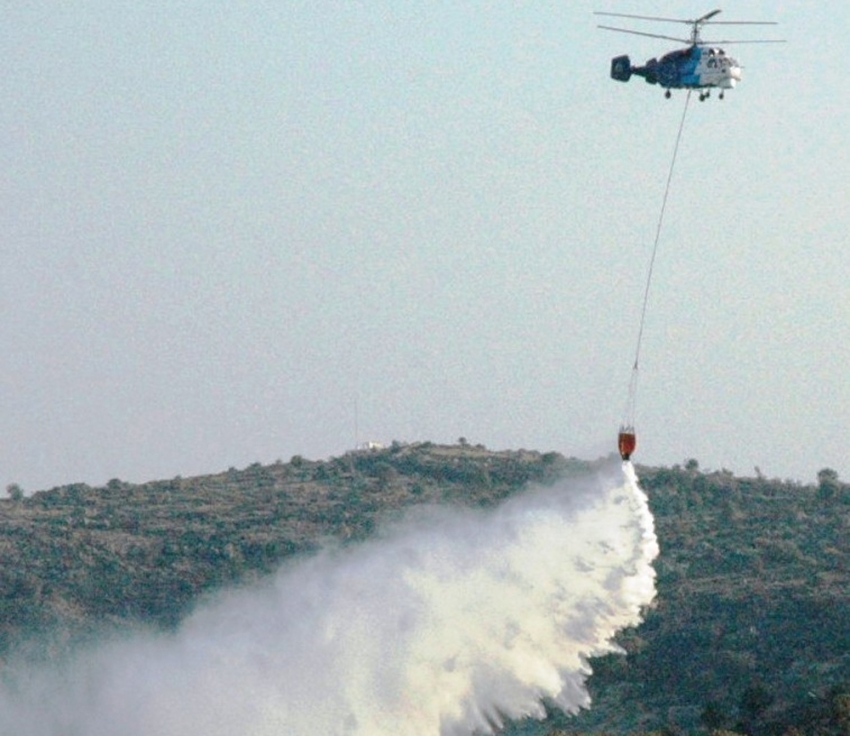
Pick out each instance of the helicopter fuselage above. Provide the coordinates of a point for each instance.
(695, 67)
(701, 65)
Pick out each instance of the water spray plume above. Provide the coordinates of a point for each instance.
(447, 623)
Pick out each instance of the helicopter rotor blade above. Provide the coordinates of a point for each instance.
(742, 23)
(689, 22)
(640, 33)
(695, 25)
(749, 40)
(704, 18)
(640, 17)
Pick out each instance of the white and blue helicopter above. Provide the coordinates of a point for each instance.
(703, 65)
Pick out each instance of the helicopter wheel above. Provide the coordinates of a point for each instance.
(721, 95)
(667, 94)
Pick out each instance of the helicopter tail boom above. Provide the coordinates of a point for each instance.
(621, 68)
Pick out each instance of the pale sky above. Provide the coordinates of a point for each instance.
(240, 231)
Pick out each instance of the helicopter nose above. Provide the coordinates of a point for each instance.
(735, 72)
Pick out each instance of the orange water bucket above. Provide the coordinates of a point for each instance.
(626, 442)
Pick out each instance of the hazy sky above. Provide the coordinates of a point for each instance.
(239, 231)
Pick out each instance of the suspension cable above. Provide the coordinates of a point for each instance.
(630, 405)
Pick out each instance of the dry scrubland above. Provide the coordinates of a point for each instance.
(750, 631)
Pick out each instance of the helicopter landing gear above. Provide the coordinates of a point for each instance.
(703, 96)
(720, 96)
(667, 94)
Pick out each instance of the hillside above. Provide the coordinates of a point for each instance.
(77, 557)
(750, 629)
(751, 625)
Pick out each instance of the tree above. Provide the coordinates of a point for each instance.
(755, 700)
(841, 712)
(713, 716)
(15, 492)
(828, 484)
(386, 475)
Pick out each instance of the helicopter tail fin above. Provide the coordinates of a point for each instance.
(621, 68)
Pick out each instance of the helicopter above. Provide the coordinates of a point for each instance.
(702, 66)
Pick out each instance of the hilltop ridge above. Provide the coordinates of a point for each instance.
(750, 629)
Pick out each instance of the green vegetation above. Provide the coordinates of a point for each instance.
(750, 631)
(76, 558)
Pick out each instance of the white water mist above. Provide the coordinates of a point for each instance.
(445, 624)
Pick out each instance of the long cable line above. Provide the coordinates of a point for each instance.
(627, 440)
